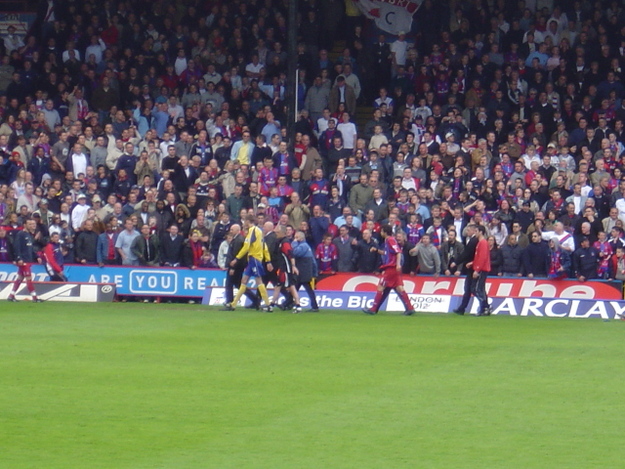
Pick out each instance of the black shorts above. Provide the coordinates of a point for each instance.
(270, 277)
(284, 279)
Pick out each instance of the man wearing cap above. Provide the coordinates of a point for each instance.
(79, 212)
(43, 212)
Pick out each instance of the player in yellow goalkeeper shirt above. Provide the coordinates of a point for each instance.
(256, 250)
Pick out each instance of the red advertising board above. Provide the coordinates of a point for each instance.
(497, 287)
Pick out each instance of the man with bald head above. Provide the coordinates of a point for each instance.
(233, 279)
(272, 242)
(285, 270)
(567, 242)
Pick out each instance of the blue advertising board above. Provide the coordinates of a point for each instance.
(130, 280)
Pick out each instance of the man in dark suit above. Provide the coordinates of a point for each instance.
(466, 261)
(184, 175)
(233, 279)
(171, 247)
(381, 61)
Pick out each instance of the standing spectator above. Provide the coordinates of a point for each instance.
(327, 255)
(496, 256)
(451, 251)
(317, 99)
(345, 246)
(512, 253)
(192, 250)
(146, 247)
(124, 243)
(536, 257)
(348, 130)
(366, 256)
(86, 244)
(104, 98)
(296, 211)
(559, 261)
(585, 261)
(342, 93)
(428, 258)
(106, 252)
(171, 247)
(311, 159)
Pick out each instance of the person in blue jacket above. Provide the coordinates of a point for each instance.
(306, 266)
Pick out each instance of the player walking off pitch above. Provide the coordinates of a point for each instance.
(256, 250)
(392, 260)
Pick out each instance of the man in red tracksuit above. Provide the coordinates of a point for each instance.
(481, 268)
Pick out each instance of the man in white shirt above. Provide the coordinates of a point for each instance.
(252, 69)
(174, 109)
(348, 131)
(74, 52)
(351, 79)
(79, 212)
(399, 49)
(180, 65)
(79, 161)
(12, 41)
(166, 143)
(323, 122)
(96, 47)
(566, 239)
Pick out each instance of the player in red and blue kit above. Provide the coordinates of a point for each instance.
(267, 177)
(319, 190)
(326, 255)
(392, 260)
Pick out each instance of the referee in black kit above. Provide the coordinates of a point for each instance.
(467, 258)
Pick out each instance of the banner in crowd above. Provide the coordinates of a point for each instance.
(523, 307)
(57, 291)
(392, 16)
(497, 287)
(140, 281)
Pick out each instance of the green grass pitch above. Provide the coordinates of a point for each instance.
(121, 386)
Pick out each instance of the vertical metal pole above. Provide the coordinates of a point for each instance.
(296, 101)
(291, 89)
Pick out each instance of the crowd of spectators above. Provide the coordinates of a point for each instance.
(142, 131)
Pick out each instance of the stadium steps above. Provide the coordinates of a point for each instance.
(337, 50)
(363, 115)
